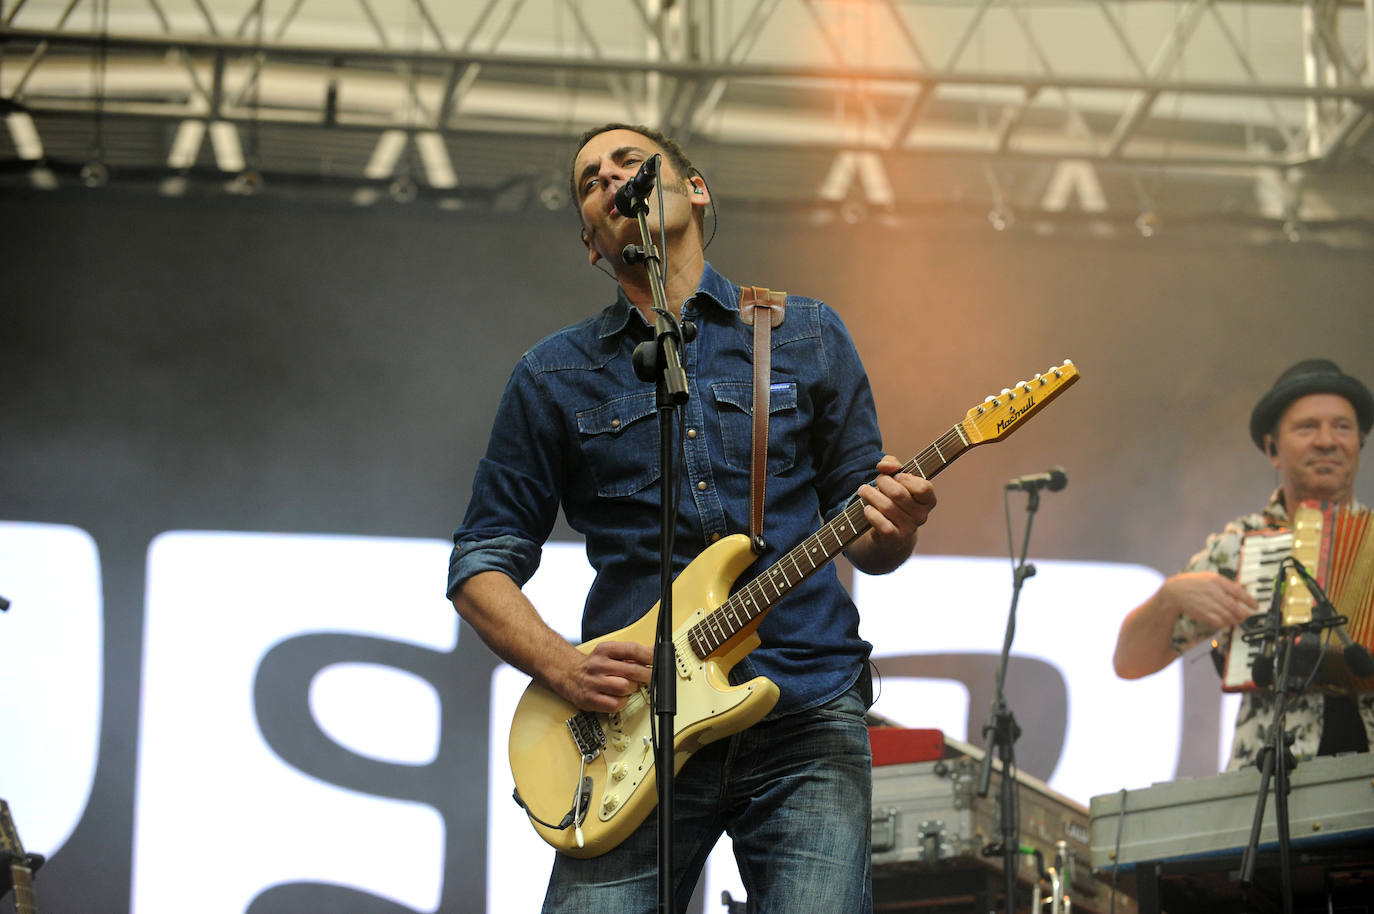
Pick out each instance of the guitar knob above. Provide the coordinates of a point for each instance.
(620, 742)
(610, 802)
(618, 771)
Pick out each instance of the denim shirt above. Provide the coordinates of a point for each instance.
(576, 427)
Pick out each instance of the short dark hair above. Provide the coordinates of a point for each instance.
(681, 163)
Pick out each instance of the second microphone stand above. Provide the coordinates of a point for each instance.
(1295, 661)
(660, 360)
(1001, 730)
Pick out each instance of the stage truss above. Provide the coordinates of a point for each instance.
(1187, 109)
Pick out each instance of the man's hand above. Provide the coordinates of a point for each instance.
(896, 504)
(603, 679)
(1145, 643)
(1216, 602)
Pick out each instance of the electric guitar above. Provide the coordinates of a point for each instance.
(21, 874)
(586, 779)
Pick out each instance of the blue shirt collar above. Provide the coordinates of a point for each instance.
(712, 287)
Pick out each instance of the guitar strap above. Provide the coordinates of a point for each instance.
(751, 300)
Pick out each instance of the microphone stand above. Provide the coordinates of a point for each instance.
(1276, 758)
(1001, 730)
(1276, 764)
(660, 360)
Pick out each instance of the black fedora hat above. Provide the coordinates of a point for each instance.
(1310, 376)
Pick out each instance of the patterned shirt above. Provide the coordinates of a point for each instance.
(1221, 554)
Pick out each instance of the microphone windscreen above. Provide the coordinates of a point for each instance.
(1359, 661)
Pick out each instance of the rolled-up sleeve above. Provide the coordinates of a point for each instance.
(513, 556)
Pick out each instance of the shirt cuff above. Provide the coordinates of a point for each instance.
(513, 556)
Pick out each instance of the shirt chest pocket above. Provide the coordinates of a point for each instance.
(734, 406)
(620, 444)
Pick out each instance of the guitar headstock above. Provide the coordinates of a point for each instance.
(9, 835)
(998, 416)
(21, 865)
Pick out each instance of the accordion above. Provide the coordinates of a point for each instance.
(1336, 546)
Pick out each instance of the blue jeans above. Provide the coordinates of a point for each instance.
(794, 795)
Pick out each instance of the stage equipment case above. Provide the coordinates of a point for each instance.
(930, 828)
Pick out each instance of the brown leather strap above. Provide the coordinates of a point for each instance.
(751, 299)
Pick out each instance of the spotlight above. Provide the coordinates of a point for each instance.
(1148, 223)
(403, 190)
(853, 211)
(173, 186)
(553, 196)
(246, 182)
(95, 174)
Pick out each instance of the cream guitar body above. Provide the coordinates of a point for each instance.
(586, 780)
(623, 791)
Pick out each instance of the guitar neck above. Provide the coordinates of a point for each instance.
(24, 901)
(812, 554)
(20, 874)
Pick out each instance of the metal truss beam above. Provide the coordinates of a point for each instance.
(1183, 86)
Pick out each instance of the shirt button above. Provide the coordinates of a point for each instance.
(714, 537)
(691, 433)
(701, 486)
(615, 423)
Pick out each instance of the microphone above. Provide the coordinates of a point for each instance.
(1262, 670)
(1357, 658)
(1054, 480)
(638, 186)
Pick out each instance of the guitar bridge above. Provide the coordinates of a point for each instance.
(587, 734)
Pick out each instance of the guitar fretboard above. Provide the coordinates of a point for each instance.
(760, 594)
(20, 873)
(24, 900)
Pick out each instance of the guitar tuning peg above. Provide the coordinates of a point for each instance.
(1005, 391)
